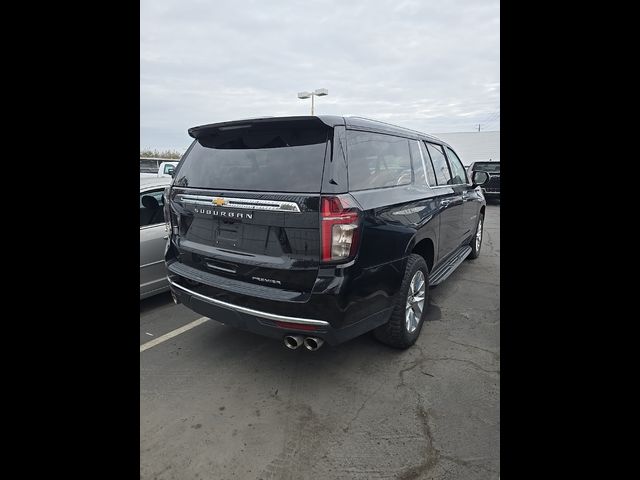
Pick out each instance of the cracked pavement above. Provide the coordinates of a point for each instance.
(221, 403)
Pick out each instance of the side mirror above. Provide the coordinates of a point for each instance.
(479, 179)
(172, 172)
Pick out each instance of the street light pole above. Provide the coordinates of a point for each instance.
(321, 92)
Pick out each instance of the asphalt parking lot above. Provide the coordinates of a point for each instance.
(217, 403)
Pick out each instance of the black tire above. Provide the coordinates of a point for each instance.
(475, 248)
(395, 333)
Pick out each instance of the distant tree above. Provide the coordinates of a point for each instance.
(169, 154)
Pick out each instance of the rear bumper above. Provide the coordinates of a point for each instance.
(303, 322)
(269, 324)
(345, 302)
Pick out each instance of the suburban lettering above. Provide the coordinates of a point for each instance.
(218, 213)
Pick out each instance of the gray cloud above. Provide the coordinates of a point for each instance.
(429, 65)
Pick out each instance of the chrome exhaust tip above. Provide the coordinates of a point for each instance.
(313, 343)
(293, 341)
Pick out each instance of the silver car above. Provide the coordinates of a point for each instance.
(153, 237)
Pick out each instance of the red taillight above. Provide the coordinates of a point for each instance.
(339, 228)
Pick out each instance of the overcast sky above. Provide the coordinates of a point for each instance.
(433, 66)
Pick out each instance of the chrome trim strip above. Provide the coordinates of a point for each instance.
(228, 270)
(451, 186)
(246, 203)
(250, 311)
(152, 263)
(144, 227)
(200, 189)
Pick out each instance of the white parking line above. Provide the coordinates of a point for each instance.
(174, 333)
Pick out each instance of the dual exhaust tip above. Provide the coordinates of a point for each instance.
(310, 343)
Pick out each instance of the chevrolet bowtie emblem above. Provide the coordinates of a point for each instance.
(218, 202)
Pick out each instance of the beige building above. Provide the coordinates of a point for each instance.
(474, 146)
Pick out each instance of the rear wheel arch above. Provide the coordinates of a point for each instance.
(426, 249)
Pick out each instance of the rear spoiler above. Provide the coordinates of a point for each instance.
(215, 128)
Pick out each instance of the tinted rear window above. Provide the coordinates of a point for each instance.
(264, 158)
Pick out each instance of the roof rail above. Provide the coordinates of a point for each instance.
(395, 126)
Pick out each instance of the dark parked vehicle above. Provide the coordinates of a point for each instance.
(491, 189)
(314, 229)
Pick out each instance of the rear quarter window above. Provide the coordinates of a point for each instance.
(376, 160)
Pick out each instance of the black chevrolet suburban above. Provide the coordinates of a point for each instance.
(318, 229)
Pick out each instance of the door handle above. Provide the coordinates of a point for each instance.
(166, 237)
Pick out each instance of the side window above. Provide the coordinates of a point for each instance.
(376, 160)
(459, 175)
(431, 175)
(422, 168)
(439, 163)
(151, 207)
(168, 169)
